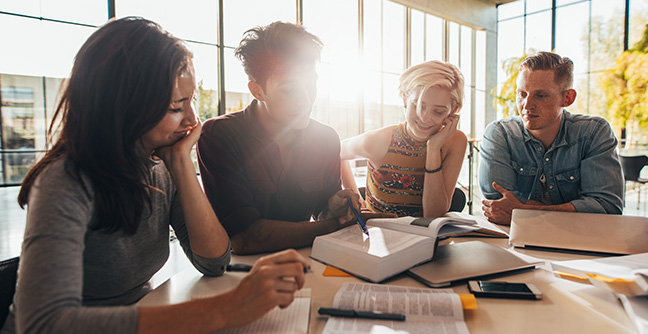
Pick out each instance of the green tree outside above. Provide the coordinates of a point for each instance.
(626, 89)
(205, 103)
(505, 99)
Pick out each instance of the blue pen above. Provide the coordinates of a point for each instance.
(360, 222)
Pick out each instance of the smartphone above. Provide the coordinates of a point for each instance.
(504, 290)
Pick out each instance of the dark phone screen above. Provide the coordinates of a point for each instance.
(503, 286)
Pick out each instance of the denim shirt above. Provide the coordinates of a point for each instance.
(581, 166)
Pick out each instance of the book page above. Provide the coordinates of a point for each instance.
(483, 226)
(433, 228)
(427, 310)
(623, 267)
(380, 243)
(290, 320)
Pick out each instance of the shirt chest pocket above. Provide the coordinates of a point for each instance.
(570, 176)
(526, 174)
(569, 184)
(524, 170)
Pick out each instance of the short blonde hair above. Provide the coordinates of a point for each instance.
(434, 73)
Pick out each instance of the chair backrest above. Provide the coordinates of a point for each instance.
(8, 274)
(458, 201)
(632, 166)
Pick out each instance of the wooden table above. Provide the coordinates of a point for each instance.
(566, 307)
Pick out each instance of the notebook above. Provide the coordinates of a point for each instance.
(472, 259)
(579, 231)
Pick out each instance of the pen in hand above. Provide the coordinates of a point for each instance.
(247, 268)
(360, 221)
(238, 267)
(336, 312)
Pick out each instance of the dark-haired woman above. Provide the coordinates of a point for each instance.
(101, 201)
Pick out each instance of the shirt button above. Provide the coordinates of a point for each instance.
(571, 177)
(521, 169)
(550, 187)
(546, 159)
(539, 148)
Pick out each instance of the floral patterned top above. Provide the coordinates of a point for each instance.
(396, 186)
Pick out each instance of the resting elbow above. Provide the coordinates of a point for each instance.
(241, 245)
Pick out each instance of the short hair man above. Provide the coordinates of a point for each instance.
(270, 169)
(548, 158)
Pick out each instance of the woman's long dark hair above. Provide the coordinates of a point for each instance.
(120, 88)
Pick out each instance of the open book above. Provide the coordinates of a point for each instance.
(426, 310)
(626, 275)
(451, 224)
(393, 246)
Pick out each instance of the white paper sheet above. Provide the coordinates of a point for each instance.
(427, 310)
(637, 309)
(291, 320)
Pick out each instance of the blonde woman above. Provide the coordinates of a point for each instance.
(413, 166)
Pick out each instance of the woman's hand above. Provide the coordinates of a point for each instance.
(273, 281)
(181, 148)
(450, 125)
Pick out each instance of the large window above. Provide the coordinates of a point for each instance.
(238, 17)
(384, 60)
(194, 22)
(337, 101)
(590, 32)
(365, 50)
(638, 20)
(31, 75)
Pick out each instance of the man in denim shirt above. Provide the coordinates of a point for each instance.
(549, 158)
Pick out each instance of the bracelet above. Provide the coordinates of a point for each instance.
(433, 171)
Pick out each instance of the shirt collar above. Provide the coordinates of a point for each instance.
(251, 116)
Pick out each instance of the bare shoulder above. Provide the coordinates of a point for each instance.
(456, 143)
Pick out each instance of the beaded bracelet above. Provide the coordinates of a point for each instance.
(435, 170)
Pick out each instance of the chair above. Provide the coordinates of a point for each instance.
(8, 274)
(632, 166)
(458, 201)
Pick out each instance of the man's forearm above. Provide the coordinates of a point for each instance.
(535, 205)
(267, 235)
